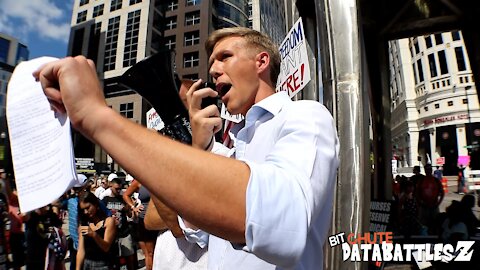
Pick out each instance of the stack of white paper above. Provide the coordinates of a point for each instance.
(42, 151)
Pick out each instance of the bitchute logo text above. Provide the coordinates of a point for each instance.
(379, 247)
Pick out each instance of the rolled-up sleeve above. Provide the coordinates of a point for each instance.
(287, 190)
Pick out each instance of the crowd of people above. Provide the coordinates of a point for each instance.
(99, 230)
(417, 201)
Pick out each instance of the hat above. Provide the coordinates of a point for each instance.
(129, 178)
(112, 176)
(81, 180)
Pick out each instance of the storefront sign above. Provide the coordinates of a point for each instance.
(444, 119)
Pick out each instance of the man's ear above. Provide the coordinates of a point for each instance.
(262, 61)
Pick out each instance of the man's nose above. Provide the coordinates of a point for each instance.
(215, 70)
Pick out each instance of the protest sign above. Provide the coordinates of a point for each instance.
(294, 69)
(154, 121)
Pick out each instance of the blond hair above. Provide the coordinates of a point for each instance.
(256, 40)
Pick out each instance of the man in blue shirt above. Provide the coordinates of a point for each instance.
(270, 206)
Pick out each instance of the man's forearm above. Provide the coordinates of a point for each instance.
(204, 188)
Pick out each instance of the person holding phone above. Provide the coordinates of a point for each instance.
(96, 235)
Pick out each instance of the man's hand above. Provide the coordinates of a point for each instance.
(205, 122)
(71, 85)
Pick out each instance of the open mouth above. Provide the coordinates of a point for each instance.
(223, 89)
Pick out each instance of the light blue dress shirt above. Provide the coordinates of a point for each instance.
(292, 151)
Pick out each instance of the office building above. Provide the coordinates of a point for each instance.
(269, 17)
(118, 33)
(12, 52)
(435, 108)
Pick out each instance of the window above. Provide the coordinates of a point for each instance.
(171, 23)
(192, 18)
(94, 41)
(115, 5)
(417, 49)
(4, 47)
(428, 42)
(426, 108)
(433, 66)
(170, 42)
(437, 106)
(78, 41)
(460, 59)
(442, 60)
(126, 109)
(98, 11)
(131, 39)
(415, 75)
(192, 38)
(83, 2)
(111, 42)
(190, 59)
(172, 5)
(420, 70)
(82, 16)
(438, 39)
(450, 103)
(133, 2)
(192, 2)
(465, 101)
(455, 35)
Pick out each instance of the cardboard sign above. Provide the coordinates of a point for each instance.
(440, 161)
(294, 69)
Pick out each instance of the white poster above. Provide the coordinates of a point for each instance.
(294, 69)
(154, 121)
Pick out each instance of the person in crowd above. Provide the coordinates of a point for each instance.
(468, 217)
(146, 238)
(17, 234)
(417, 176)
(429, 195)
(453, 228)
(120, 211)
(96, 250)
(438, 173)
(71, 204)
(103, 186)
(408, 210)
(172, 250)
(461, 179)
(268, 206)
(108, 191)
(38, 225)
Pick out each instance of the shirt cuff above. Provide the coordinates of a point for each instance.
(222, 150)
(198, 236)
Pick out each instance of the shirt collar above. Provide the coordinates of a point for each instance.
(272, 104)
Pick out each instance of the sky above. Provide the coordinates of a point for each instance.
(42, 25)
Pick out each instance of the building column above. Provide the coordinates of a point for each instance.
(413, 148)
(462, 140)
(433, 143)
